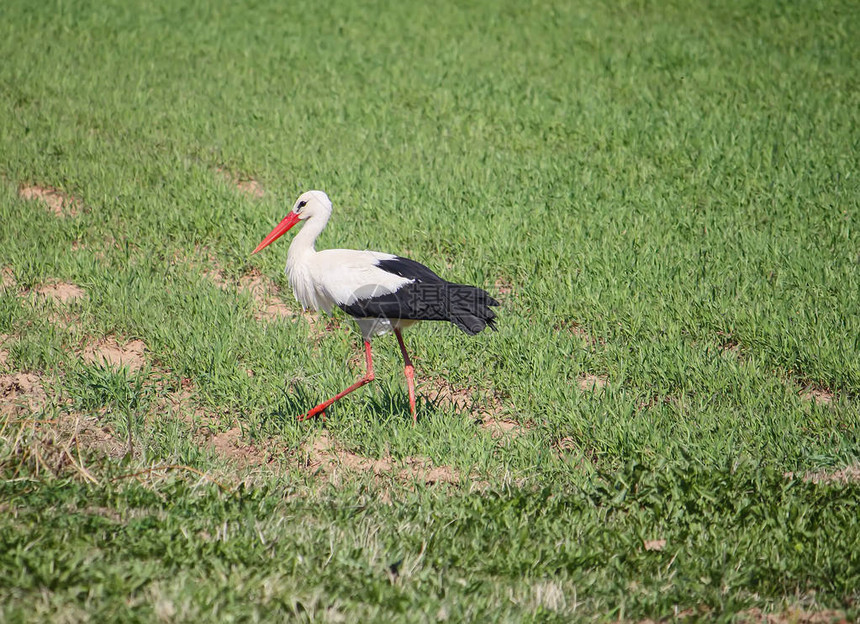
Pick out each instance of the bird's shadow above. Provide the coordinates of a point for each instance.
(391, 406)
(290, 405)
(384, 405)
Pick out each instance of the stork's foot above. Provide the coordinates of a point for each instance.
(312, 413)
(410, 383)
(409, 371)
(368, 377)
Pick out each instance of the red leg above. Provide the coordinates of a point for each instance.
(368, 377)
(410, 375)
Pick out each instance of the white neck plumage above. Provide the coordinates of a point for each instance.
(299, 260)
(303, 242)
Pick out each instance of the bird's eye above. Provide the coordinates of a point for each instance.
(302, 204)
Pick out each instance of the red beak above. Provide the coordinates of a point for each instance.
(289, 221)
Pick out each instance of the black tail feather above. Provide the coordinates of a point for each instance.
(468, 307)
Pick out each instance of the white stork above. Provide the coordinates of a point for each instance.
(382, 292)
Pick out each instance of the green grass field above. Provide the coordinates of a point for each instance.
(665, 196)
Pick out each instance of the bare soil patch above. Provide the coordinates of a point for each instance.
(792, 616)
(87, 433)
(58, 446)
(564, 445)
(244, 184)
(265, 294)
(229, 445)
(251, 187)
(441, 392)
(325, 454)
(728, 343)
(269, 306)
(321, 455)
(575, 328)
(109, 352)
(226, 444)
(817, 394)
(485, 404)
(21, 394)
(59, 203)
(96, 251)
(658, 399)
(255, 283)
(504, 288)
(847, 474)
(61, 292)
(591, 383)
(7, 279)
(568, 450)
(501, 425)
(329, 458)
(501, 428)
(321, 325)
(273, 310)
(4, 355)
(180, 402)
(54, 444)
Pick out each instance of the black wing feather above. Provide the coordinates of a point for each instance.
(404, 267)
(427, 298)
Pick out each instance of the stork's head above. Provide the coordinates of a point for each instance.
(309, 204)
